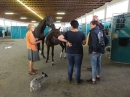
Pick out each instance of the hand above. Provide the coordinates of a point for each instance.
(69, 44)
(36, 39)
(39, 41)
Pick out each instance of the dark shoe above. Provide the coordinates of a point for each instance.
(69, 81)
(98, 78)
(90, 69)
(91, 82)
(81, 80)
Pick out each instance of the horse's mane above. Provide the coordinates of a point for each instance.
(40, 28)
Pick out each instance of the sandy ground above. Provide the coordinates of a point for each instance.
(15, 80)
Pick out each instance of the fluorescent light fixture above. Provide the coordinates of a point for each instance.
(29, 9)
(57, 21)
(33, 21)
(58, 17)
(60, 13)
(23, 18)
(9, 13)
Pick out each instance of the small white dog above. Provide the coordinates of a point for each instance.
(37, 82)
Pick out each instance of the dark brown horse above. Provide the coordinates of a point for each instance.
(51, 41)
(39, 31)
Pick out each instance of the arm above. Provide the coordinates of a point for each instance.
(62, 38)
(87, 39)
(35, 42)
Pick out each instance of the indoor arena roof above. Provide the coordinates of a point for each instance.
(35, 10)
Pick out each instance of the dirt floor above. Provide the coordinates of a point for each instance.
(15, 80)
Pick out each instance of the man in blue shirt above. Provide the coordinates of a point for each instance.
(75, 39)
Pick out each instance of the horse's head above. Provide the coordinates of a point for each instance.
(39, 30)
(52, 38)
(49, 22)
(55, 32)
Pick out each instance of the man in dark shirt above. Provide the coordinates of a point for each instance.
(75, 40)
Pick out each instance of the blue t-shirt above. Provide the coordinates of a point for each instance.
(76, 39)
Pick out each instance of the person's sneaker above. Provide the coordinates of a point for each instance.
(98, 78)
(91, 82)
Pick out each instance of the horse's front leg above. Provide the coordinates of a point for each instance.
(38, 46)
(43, 48)
(52, 53)
(62, 46)
(48, 49)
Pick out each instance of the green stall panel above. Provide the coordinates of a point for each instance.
(46, 31)
(1, 28)
(120, 53)
(107, 25)
(80, 28)
(15, 32)
(120, 45)
(122, 31)
(84, 29)
(19, 32)
(23, 31)
(88, 28)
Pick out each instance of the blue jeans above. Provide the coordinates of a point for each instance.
(95, 60)
(74, 60)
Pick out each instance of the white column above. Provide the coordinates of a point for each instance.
(4, 22)
(93, 12)
(129, 6)
(77, 19)
(86, 21)
(80, 20)
(106, 7)
(83, 19)
(86, 18)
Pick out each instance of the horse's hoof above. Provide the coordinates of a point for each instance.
(40, 51)
(64, 57)
(52, 63)
(46, 61)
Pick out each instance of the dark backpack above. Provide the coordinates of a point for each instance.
(103, 41)
(101, 38)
